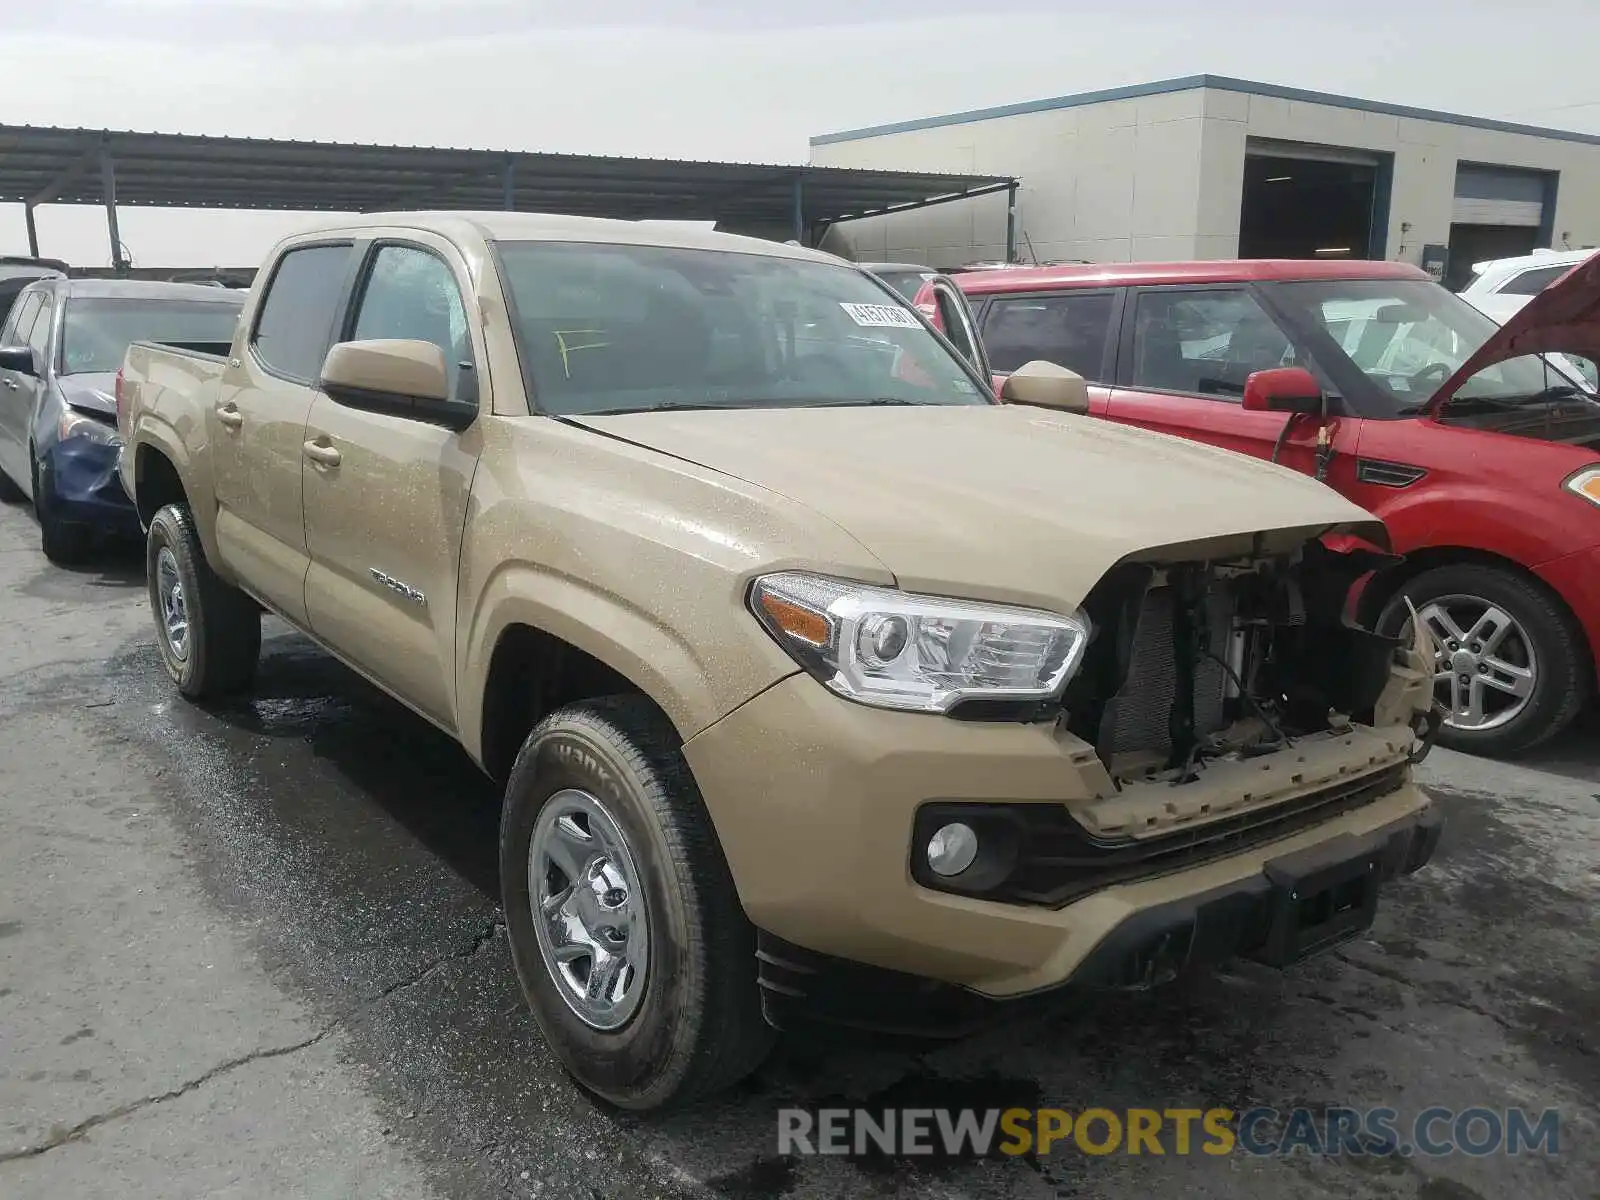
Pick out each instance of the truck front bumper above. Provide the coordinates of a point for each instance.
(816, 803)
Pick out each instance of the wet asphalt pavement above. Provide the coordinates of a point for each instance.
(255, 952)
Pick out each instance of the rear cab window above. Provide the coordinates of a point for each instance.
(1070, 329)
(294, 325)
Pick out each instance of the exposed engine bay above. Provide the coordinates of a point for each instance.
(1198, 662)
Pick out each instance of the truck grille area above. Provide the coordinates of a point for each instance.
(1037, 854)
(1137, 718)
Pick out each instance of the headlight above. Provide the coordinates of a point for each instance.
(1586, 483)
(897, 650)
(77, 424)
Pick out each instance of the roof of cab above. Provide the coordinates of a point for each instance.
(1248, 270)
(522, 226)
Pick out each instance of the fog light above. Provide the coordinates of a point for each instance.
(952, 849)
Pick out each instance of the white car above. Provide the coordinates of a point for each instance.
(1501, 286)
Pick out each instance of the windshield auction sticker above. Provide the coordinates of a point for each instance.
(881, 316)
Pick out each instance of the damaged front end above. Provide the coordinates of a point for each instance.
(1196, 662)
(1225, 701)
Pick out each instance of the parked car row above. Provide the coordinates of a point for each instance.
(821, 685)
(62, 343)
(1478, 446)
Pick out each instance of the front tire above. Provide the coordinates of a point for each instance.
(626, 932)
(208, 632)
(1513, 670)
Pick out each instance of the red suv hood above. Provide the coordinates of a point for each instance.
(1562, 319)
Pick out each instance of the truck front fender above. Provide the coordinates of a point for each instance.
(693, 685)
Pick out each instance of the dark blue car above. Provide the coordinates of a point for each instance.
(60, 350)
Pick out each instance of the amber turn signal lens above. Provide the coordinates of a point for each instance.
(797, 622)
(1587, 485)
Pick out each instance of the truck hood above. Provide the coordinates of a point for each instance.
(1017, 504)
(92, 392)
(1562, 319)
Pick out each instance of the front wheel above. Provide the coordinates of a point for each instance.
(208, 632)
(1510, 666)
(626, 933)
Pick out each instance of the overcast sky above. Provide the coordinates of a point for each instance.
(717, 79)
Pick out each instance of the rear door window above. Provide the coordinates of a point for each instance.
(1069, 329)
(1531, 283)
(294, 327)
(1204, 343)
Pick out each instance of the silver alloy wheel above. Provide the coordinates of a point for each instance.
(174, 610)
(1485, 666)
(589, 910)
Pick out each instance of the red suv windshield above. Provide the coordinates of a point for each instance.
(1398, 340)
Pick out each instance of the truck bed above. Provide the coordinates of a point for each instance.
(167, 381)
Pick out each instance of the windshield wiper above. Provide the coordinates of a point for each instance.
(668, 406)
(872, 402)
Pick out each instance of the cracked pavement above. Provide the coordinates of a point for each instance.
(256, 952)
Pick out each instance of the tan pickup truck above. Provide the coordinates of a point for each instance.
(822, 683)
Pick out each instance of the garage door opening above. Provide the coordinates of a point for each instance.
(1313, 202)
(1499, 212)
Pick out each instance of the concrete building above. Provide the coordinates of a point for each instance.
(1208, 167)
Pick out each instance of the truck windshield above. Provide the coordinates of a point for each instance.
(1404, 338)
(607, 328)
(98, 329)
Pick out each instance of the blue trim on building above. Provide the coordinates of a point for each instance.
(1220, 83)
(1547, 219)
(1382, 197)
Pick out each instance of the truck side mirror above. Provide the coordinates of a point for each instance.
(19, 359)
(401, 377)
(1283, 389)
(1046, 385)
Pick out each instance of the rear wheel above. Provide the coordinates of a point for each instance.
(626, 933)
(1511, 667)
(208, 633)
(64, 542)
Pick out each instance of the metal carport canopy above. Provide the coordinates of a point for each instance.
(44, 165)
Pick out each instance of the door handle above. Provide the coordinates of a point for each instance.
(12, 384)
(323, 456)
(230, 415)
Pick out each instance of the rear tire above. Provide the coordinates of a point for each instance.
(1543, 637)
(208, 632)
(65, 543)
(695, 1026)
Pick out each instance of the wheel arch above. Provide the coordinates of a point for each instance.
(531, 673)
(165, 473)
(1384, 586)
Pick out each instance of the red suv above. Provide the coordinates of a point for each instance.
(1478, 445)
